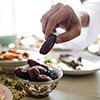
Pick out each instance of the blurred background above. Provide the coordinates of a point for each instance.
(22, 17)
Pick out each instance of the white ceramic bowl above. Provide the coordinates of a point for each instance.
(40, 89)
(9, 66)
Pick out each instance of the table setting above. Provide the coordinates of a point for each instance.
(77, 71)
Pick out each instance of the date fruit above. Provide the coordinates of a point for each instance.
(31, 62)
(41, 69)
(36, 72)
(33, 73)
(44, 66)
(44, 78)
(52, 74)
(21, 72)
(48, 44)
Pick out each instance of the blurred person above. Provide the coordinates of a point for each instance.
(81, 27)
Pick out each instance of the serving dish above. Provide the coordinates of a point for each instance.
(8, 66)
(88, 68)
(37, 88)
(6, 40)
(28, 43)
(90, 62)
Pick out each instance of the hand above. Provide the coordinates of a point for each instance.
(62, 16)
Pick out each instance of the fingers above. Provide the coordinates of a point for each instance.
(69, 35)
(48, 24)
(54, 20)
(61, 16)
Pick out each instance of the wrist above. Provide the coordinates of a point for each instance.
(84, 18)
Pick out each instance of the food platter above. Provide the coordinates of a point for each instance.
(90, 62)
(9, 66)
(28, 43)
(88, 68)
(6, 92)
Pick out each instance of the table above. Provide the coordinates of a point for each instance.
(75, 87)
(85, 87)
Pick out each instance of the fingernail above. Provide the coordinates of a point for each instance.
(59, 40)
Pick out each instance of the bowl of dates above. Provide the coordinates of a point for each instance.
(38, 80)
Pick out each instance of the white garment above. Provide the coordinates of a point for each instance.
(88, 34)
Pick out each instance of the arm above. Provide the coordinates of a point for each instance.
(84, 18)
(88, 34)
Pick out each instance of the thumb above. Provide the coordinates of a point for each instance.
(68, 35)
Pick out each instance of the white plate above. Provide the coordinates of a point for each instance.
(88, 68)
(90, 62)
(6, 92)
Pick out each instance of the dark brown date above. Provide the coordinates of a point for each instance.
(44, 66)
(33, 73)
(36, 72)
(41, 69)
(31, 62)
(48, 44)
(44, 78)
(52, 74)
(21, 72)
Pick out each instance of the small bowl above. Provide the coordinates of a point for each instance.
(6, 40)
(40, 89)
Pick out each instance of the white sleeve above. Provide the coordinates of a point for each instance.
(88, 34)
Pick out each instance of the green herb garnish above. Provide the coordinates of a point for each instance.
(58, 61)
(7, 82)
(48, 61)
(18, 87)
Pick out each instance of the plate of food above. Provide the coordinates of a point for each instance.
(11, 58)
(28, 43)
(74, 65)
(5, 93)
